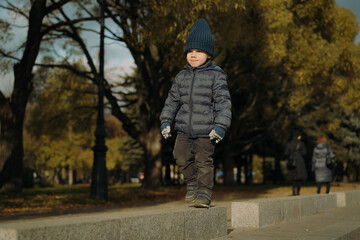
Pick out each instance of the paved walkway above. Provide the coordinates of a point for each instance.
(327, 225)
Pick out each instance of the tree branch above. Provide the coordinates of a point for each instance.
(8, 56)
(13, 8)
(56, 6)
(116, 110)
(68, 67)
(67, 23)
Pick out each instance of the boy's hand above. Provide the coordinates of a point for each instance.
(217, 134)
(165, 129)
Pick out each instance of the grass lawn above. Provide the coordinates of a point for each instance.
(78, 196)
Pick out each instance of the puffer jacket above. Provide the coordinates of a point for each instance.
(198, 100)
(322, 173)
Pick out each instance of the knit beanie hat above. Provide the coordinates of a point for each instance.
(200, 38)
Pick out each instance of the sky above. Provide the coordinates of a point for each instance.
(353, 5)
(118, 60)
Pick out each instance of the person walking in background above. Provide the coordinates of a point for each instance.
(295, 152)
(200, 106)
(323, 170)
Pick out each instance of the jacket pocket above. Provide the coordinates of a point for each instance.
(179, 118)
(209, 114)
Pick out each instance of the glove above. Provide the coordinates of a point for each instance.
(165, 129)
(217, 134)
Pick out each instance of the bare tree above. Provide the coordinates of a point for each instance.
(12, 109)
(151, 82)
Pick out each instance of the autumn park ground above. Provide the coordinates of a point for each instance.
(58, 200)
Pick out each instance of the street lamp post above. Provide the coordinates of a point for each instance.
(99, 186)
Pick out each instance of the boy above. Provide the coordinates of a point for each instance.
(199, 103)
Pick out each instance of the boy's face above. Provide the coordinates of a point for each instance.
(196, 57)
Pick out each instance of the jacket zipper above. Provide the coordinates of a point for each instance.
(191, 104)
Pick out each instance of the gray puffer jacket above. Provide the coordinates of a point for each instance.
(322, 173)
(198, 100)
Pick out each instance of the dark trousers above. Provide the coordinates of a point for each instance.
(328, 184)
(194, 158)
(296, 187)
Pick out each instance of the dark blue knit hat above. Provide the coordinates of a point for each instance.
(200, 38)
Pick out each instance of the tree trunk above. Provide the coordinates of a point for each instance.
(277, 170)
(151, 142)
(238, 176)
(167, 174)
(264, 170)
(248, 168)
(11, 142)
(12, 110)
(228, 166)
(70, 177)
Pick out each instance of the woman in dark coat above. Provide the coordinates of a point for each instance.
(296, 150)
(322, 173)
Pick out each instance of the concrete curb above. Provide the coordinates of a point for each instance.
(262, 212)
(334, 224)
(182, 223)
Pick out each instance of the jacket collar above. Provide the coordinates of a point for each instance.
(321, 145)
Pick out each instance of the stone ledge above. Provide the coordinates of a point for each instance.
(347, 198)
(182, 223)
(266, 211)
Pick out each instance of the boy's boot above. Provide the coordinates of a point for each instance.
(203, 199)
(191, 190)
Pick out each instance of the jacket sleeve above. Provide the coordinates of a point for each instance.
(172, 104)
(331, 153)
(222, 102)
